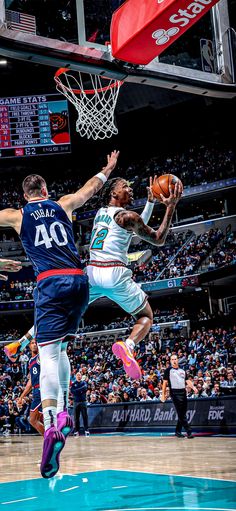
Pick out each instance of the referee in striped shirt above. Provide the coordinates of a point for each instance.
(176, 378)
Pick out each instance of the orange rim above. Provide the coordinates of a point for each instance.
(63, 70)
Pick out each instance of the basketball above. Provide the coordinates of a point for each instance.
(161, 185)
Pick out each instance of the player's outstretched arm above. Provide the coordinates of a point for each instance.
(10, 217)
(13, 349)
(93, 185)
(133, 222)
(9, 265)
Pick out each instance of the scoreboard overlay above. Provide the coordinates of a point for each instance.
(34, 125)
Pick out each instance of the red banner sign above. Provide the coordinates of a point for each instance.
(142, 29)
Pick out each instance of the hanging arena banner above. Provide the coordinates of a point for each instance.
(206, 415)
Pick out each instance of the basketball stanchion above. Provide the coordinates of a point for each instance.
(94, 98)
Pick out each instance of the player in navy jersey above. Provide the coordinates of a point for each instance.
(61, 294)
(33, 385)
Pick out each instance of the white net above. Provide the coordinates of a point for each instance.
(95, 104)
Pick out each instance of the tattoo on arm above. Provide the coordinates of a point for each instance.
(132, 222)
(122, 218)
(165, 225)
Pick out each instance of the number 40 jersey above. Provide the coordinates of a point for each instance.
(109, 241)
(47, 236)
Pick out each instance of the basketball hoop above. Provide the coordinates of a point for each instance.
(94, 103)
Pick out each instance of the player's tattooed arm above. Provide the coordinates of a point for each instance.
(133, 222)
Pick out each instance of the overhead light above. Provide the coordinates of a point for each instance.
(3, 62)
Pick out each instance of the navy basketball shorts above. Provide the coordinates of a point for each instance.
(60, 301)
(36, 402)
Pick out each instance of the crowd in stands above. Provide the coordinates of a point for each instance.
(226, 254)
(196, 165)
(128, 321)
(208, 355)
(10, 246)
(16, 290)
(182, 259)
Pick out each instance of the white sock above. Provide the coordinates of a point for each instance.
(130, 344)
(49, 416)
(49, 380)
(64, 380)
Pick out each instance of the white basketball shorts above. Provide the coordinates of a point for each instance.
(117, 284)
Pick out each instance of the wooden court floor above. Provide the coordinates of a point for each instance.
(125, 473)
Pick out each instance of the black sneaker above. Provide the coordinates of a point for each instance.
(179, 435)
(190, 435)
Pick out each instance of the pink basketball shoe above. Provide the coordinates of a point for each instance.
(131, 367)
(53, 444)
(65, 423)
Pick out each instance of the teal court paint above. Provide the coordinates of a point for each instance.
(114, 490)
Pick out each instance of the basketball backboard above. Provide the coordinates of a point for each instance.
(76, 34)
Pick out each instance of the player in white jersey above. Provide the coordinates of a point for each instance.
(107, 271)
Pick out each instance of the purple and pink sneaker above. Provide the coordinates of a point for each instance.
(131, 367)
(65, 423)
(53, 444)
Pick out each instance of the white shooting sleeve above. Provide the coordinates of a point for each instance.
(146, 214)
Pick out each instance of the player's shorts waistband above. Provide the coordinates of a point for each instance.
(61, 271)
(106, 264)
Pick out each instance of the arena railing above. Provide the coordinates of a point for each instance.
(112, 335)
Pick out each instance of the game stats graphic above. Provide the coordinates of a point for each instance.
(33, 125)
